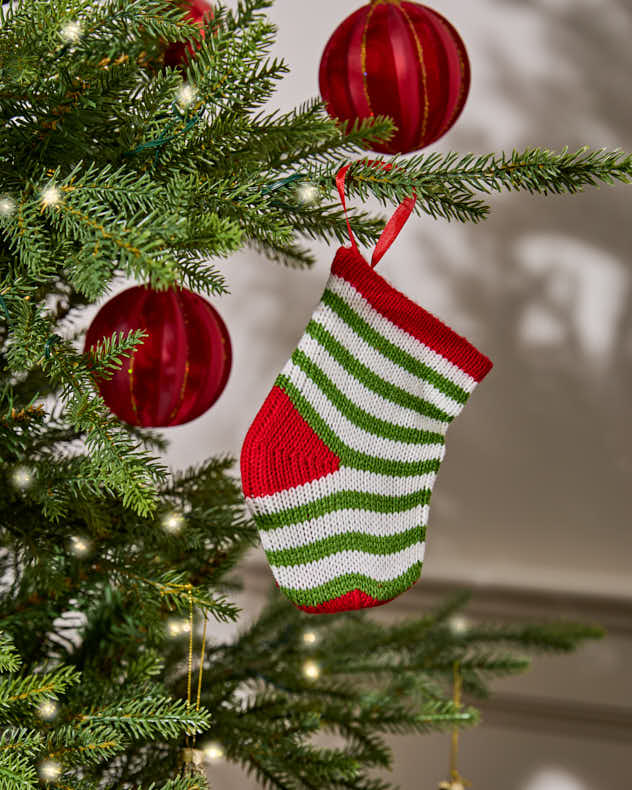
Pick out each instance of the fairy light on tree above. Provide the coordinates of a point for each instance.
(213, 751)
(22, 478)
(307, 194)
(71, 32)
(80, 546)
(187, 93)
(173, 522)
(50, 770)
(47, 710)
(178, 626)
(51, 196)
(459, 624)
(310, 638)
(311, 670)
(7, 206)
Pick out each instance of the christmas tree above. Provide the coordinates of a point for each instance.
(114, 569)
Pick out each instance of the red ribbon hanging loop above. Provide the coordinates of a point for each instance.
(393, 226)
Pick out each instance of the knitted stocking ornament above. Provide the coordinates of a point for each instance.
(339, 463)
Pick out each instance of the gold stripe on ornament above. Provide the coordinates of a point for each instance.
(461, 84)
(130, 371)
(363, 57)
(187, 366)
(422, 66)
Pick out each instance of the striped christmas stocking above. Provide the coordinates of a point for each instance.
(339, 463)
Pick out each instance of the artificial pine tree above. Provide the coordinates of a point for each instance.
(112, 164)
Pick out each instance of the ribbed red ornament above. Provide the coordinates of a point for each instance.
(398, 59)
(198, 11)
(181, 368)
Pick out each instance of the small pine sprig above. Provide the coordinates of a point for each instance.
(108, 354)
(446, 184)
(149, 719)
(9, 659)
(18, 693)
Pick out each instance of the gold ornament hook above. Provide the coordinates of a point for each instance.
(457, 782)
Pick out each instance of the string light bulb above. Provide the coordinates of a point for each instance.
(310, 637)
(307, 194)
(80, 546)
(173, 522)
(47, 710)
(51, 196)
(186, 95)
(311, 670)
(178, 627)
(22, 478)
(213, 752)
(7, 206)
(459, 624)
(71, 32)
(50, 770)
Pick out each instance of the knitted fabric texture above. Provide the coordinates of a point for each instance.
(339, 463)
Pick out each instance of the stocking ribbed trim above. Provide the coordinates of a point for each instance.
(409, 316)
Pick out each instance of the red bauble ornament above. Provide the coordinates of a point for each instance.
(182, 366)
(178, 53)
(398, 59)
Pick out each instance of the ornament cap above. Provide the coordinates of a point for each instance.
(193, 757)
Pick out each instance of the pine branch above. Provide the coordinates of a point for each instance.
(32, 689)
(17, 771)
(446, 183)
(555, 637)
(294, 256)
(84, 747)
(9, 659)
(147, 718)
(18, 740)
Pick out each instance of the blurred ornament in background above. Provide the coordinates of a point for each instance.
(178, 53)
(182, 366)
(399, 59)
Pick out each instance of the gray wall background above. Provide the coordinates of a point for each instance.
(532, 507)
